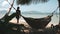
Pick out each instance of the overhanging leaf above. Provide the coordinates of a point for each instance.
(22, 2)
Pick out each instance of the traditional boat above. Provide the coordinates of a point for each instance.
(36, 23)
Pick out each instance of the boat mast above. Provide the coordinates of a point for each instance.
(6, 15)
(10, 7)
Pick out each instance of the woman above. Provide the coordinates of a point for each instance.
(18, 14)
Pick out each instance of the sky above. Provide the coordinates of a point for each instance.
(47, 7)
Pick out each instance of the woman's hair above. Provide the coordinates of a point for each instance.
(18, 7)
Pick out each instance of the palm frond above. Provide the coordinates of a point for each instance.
(22, 2)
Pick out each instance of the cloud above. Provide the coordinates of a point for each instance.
(0, 1)
(4, 3)
(2, 9)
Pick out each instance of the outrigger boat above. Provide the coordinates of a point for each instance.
(36, 23)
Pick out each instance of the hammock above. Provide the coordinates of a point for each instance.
(38, 23)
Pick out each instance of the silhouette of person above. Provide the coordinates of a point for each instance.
(52, 26)
(18, 14)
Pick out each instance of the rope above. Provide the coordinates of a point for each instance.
(9, 9)
(54, 11)
(10, 4)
